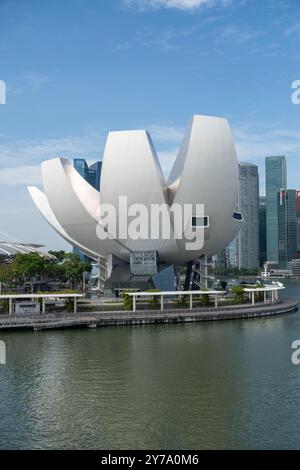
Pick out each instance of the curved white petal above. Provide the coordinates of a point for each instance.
(206, 172)
(131, 168)
(73, 201)
(41, 202)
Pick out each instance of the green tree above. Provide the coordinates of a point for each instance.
(75, 268)
(181, 301)
(6, 275)
(28, 266)
(59, 255)
(238, 292)
(54, 270)
(204, 300)
(127, 301)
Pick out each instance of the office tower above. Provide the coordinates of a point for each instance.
(262, 231)
(249, 203)
(275, 181)
(95, 174)
(287, 226)
(90, 173)
(232, 254)
(298, 222)
(243, 251)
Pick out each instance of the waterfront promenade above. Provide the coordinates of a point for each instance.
(145, 317)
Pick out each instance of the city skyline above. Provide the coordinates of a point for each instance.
(140, 64)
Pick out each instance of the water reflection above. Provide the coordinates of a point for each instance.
(220, 385)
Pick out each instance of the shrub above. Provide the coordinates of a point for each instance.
(4, 306)
(155, 301)
(238, 292)
(127, 301)
(182, 301)
(70, 305)
(204, 300)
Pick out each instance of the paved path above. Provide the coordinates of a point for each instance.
(143, 317)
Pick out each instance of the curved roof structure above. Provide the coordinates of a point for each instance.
(204, 177)
(8, 249)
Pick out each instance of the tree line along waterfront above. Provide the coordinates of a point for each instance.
(26, 272)
(63, 272)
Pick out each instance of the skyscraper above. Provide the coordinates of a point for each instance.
(95, 174)
(90, 173)
(232, 254)
(249, 203)
(275, 181)
(262, 231)
(287, 226)
(298, 222)
(243, 251)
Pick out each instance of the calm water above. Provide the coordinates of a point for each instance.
(208, 385)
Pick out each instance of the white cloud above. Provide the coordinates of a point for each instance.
(27, 81)
(187, 5)
(167, 159)
(236, 34)
(20, 175)
(293, 30)
(255, 145)
(20, 152)
(162, 134)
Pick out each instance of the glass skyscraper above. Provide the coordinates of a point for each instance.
(287, 227)
(298, 222)
(275, 181)
(90, 173)
(95, 174)
(249, 204)
(262, 231)
(243, 251)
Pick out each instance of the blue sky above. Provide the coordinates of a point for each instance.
(75, 69)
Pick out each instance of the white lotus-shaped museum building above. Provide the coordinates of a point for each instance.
(205, 173)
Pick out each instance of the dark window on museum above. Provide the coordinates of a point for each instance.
(200, 222)
(237, 216)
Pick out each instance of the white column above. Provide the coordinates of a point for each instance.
(10, 306)
(216, 300)
(43, 305)
(191, 301)
(265, 296)
(75, 305)
(253, 298)
(162, 302)
(272, 296)
(134, 303)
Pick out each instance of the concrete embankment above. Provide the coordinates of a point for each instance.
(121, 318)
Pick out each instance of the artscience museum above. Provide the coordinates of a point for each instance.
(139, 223)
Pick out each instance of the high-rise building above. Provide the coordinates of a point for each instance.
(262, 231)
(287, 226)
(232, 254)
(275, 181)
(90, 173)
(243, 251)
(95, 174)
(298, 222)
(249, 203)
